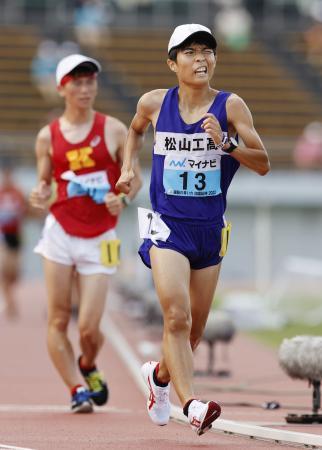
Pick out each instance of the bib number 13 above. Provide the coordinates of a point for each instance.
(200, 178)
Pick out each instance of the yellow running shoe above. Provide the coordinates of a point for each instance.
(96, 383)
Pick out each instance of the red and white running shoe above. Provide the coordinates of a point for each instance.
(158, 404)
(202, 415)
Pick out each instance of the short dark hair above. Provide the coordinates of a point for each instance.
(197, 38)
(86, 68)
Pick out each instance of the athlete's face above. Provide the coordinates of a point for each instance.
(195, 64)
(80, 92)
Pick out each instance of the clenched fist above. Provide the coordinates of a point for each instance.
(40, 195)
(212, 127)
(124, 182)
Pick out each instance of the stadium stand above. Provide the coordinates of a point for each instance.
(308, 46)
(280, 104)
(23, 110)
(134, 62)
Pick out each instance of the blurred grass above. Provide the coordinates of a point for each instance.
(273, 338)
(303, 312)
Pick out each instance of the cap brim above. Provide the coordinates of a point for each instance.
(87, 64)
(209, 36)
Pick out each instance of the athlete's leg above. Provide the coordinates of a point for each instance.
(59, 283)
(9, 274)
(171, 273)
(203, 284)
(93, 292)
(202, 288)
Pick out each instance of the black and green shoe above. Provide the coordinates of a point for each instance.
(96, 383)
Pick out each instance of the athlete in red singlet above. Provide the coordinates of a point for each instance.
(12, 212)
(82, 151)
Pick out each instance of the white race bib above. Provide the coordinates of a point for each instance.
(97, 180)
(192, 163)
(151, 226)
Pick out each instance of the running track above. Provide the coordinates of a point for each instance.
(34, 405)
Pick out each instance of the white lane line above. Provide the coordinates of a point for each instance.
(4, 447)
(246, 429)
(55, 409)
(5, 409)
(265, 424)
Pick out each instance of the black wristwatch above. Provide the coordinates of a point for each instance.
(231, 145)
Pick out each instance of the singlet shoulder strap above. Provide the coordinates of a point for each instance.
(219, 108)
(54, 126)
(55, 132)
(221, 99)
(166, 110)
(99, 119)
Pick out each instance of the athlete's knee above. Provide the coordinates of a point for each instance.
(177, 319)
(194, 341)
(197, 331)
(58, 323)
(88, 332)
(9, 276)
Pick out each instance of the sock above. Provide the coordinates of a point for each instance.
(186, 406)
(84, 368)
(74, 389)
(155, 377)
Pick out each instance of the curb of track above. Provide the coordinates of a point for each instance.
(133, 364)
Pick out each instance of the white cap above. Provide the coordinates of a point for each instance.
(69, 63)
(182, 32)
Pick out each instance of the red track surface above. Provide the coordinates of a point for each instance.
(34, 404)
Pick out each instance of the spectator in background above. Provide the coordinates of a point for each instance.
(91, 17)
(234, 24)
(312, 37)
(313, 44)
(12, 211)
(43, 69)
(126, 5)
(308, 148)
(67, 48)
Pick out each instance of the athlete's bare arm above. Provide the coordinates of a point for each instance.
(115, 136)
(116, 131)
(42, 192)
(147, 112)
(253, 154)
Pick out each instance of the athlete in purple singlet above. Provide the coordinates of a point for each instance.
(195, 156)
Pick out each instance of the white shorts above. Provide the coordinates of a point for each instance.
(89, 255)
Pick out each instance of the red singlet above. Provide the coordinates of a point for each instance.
(12, 209)
(80, 215)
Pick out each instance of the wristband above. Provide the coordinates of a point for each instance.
(125, 199)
